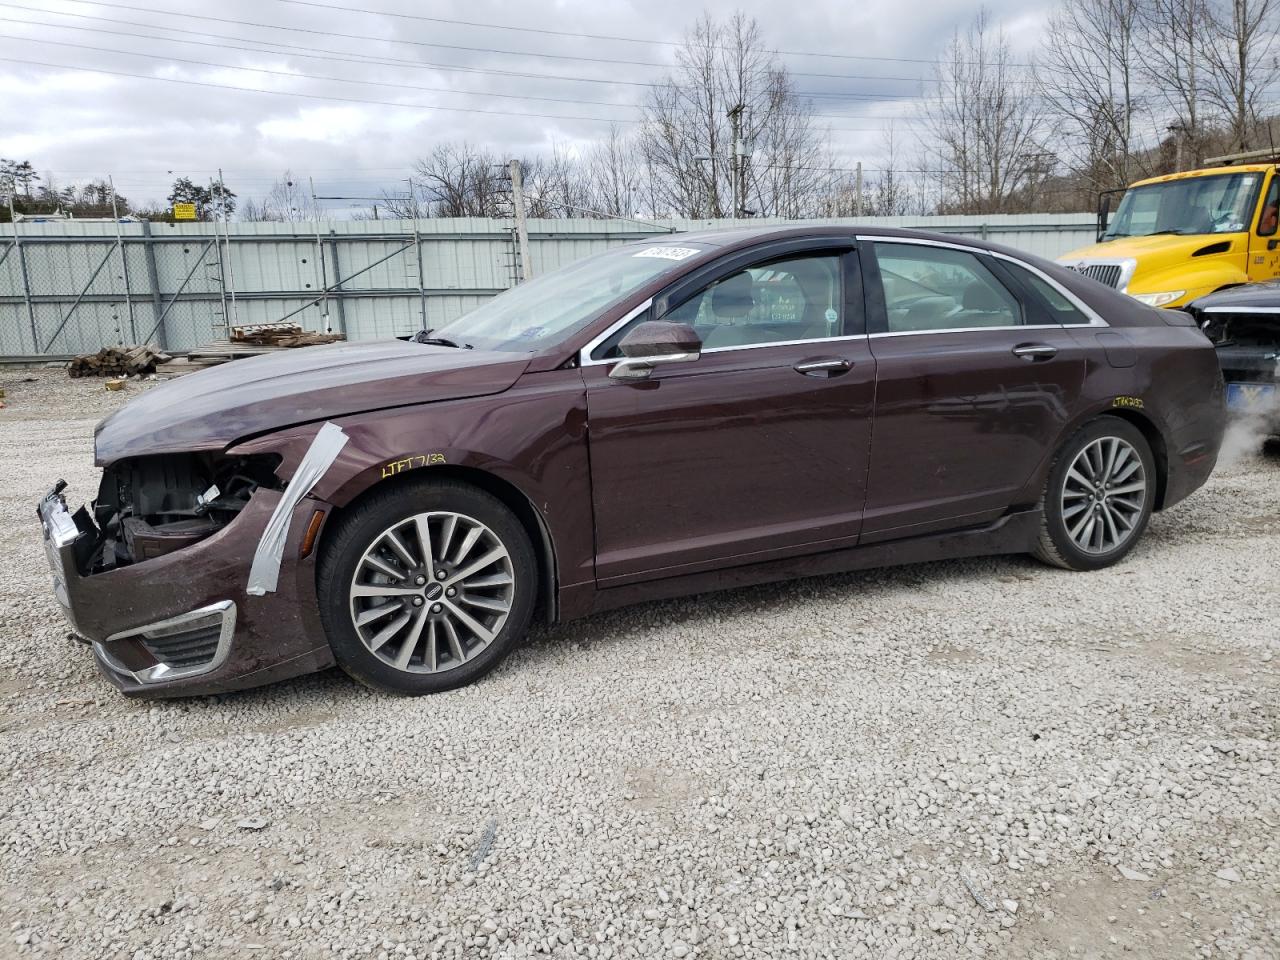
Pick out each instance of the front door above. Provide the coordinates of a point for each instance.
(977, 377)
(1264, 243)
(756, 450)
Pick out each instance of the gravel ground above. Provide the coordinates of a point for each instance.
(986, 758)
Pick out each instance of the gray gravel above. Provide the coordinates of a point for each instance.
(979, 758)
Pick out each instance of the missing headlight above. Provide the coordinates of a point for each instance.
(151, 506)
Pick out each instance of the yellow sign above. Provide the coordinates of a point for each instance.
(184, 211)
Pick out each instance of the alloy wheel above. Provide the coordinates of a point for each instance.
(432, 592)
(1104, 493)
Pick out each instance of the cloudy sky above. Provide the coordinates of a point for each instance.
(88, 88)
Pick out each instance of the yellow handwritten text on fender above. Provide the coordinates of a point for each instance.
(392, 467)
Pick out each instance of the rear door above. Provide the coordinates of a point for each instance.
(975, 382)
(756, 450)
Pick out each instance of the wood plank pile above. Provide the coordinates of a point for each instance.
(281, 335)
(117, 362)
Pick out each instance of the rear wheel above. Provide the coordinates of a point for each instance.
(426, 588)
(1098, 498)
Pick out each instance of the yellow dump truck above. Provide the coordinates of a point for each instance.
(1178, 237)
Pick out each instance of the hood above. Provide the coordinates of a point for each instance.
(1246, 298)
(1167, 247)
(215, 407)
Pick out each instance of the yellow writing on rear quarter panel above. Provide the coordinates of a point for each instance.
(392, 467)
(1134, 403)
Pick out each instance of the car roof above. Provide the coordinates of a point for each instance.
(732, 237)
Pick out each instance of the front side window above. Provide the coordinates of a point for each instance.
(798, 298)
(937, 288)
(1194, 205)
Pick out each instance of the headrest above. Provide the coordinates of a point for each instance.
(734, 297)
(982, 299)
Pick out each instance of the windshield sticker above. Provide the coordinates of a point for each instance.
(668, 253)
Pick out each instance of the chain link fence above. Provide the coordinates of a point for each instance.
(72, 287)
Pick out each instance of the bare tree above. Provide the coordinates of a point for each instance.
(1089, 77)
(555, 185)
(1174, 37)
(285, 202)
(615, 174)
(453, 180)
(984, 128)
(726, 82)
(1243, 62)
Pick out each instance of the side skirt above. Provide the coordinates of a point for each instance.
(1012, 533)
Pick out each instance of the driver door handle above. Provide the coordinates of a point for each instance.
(1035, 351)
(824, 367)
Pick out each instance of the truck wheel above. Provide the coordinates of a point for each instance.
(427, 587)
(1098, 498)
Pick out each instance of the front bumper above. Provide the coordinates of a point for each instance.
(183, 624)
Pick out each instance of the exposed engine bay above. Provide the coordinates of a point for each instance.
(1248, 345)
(151, 506)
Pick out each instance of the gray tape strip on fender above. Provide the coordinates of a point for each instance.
(264, 574)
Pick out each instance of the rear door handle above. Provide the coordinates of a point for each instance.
(1035, 351)
(826, 367)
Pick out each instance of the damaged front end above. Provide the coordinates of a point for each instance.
(1248, 348)
(154, 572)
(148, 507)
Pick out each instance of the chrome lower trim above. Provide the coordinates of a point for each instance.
(161, 672)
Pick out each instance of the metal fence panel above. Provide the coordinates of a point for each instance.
(182, 285)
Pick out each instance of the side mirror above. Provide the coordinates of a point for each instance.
(1104, 214)
(655, 342)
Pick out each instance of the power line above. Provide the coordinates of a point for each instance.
(597, 36)
(357, 100)
(610, 61)
(344, 56)
(396, 85)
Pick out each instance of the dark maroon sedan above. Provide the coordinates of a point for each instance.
(669, 417)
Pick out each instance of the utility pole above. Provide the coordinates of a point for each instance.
(736, 159)
(124, 261)
(324, 272)
(857, 188)
(22, 269)
(222, 270)
(522, 227)
(231, 270)
(417, 253)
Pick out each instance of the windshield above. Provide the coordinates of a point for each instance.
(1217, 204)
(537, 314)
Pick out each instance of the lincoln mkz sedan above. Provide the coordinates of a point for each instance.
(669, 417)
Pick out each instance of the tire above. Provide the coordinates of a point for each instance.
(1066, 538)
(454, 630)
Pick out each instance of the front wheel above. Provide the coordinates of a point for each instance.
(427, 587)
(1098, 498)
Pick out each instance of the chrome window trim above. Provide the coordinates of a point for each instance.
(161, 672)
(1095, 320)
(1240, 309)
(1018, 326)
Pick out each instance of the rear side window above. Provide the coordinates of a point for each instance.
(1059, 308)
(937, 288)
